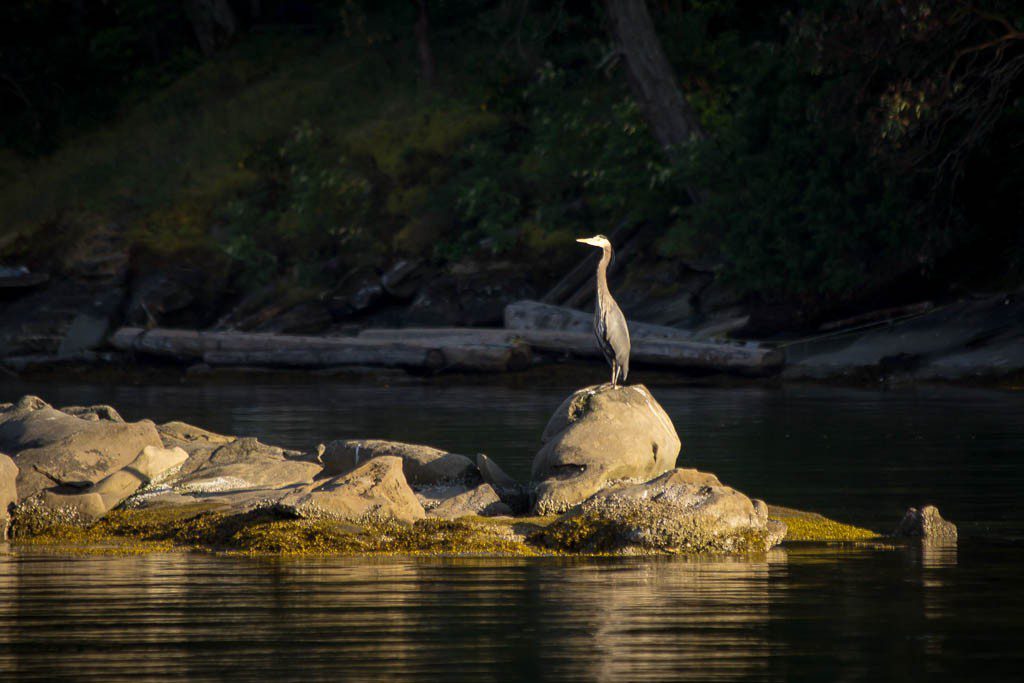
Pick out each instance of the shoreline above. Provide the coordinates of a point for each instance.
(553, 375)
(136, 532)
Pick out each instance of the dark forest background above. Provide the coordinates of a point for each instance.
(817, 156)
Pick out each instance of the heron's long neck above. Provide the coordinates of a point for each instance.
(603, 294)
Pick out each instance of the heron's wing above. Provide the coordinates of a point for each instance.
(617, 334)
(601, 332)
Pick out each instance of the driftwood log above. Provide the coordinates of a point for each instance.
(261, 349)
(433, 349)
(690, 355)
(534, 315)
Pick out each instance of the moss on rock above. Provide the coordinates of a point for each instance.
(812, 527)
(271, 531)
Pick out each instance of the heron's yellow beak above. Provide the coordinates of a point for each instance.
(588, 240)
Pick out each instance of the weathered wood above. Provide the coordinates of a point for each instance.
(662, 352)
(433, 353)
(385, 356)
(433, 349)
(505, 357)
(190, 344)
(534, 315)
(439, 335)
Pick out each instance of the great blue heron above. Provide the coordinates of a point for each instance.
(609, 323)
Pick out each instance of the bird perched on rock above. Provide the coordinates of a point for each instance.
(609, 322)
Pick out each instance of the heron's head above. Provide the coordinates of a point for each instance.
(596, 241)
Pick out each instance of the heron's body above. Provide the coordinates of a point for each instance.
(609, 323)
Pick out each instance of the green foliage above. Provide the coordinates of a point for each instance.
(796, 208)
(311, 202)
(836, 148)
(849, 143)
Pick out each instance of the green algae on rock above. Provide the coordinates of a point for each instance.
(269, 531)
(812, 527)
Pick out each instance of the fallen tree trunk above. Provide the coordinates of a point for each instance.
(433, 349)
(259, 349)
(534, 315)
(676, 353)
(390, 356)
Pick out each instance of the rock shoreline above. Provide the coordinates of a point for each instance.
(604, 482)
(974, 340)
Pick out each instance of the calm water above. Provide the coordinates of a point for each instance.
(799, 613)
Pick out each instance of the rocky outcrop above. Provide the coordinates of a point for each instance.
(926, 523)
(8, 492)
(423, 465)
(599, 435)
(375, 490)
(51, 447)
(681, 511)
(219, 491)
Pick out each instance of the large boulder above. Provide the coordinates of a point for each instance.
(375, 490)
(8, 492)
(598, 435)
(681, 511)
(423, 465)
(53, 447)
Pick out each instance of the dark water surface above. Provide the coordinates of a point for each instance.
(813, 613)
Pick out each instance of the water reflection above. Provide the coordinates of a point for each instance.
(812, 610)
(818, 613)
(190, 616)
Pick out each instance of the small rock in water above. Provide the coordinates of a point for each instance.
(926, 523)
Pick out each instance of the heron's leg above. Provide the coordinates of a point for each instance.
(615, 373)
